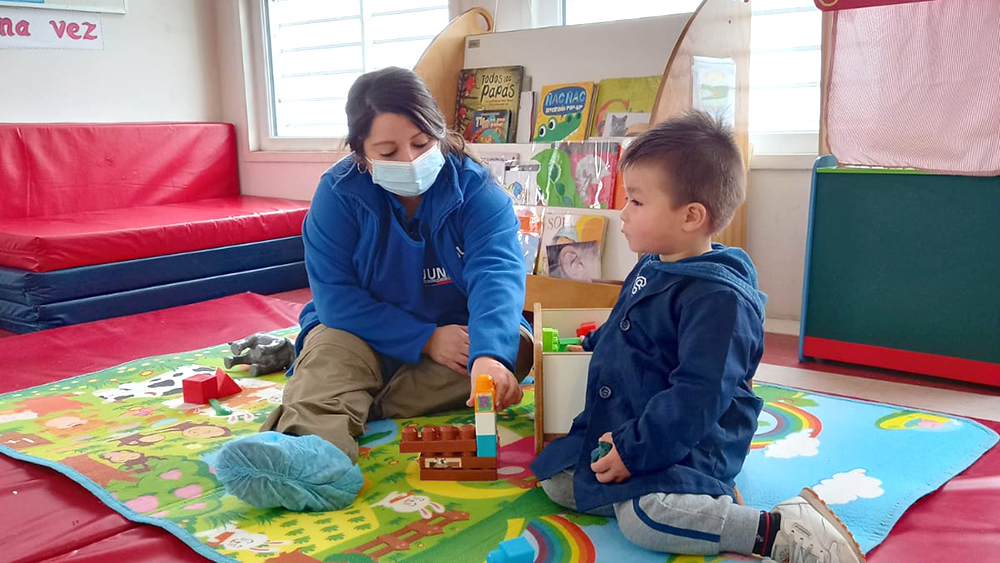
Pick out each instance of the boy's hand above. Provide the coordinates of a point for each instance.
(610, 468)
(507, 388)
(574, 348)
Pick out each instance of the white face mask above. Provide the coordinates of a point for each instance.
(409, 179)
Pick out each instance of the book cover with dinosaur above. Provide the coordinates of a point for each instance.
(491, 88)
(578, 174)
(623, 95)
(564, 112)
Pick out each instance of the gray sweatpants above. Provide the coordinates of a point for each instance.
(672, 523)
(339, 384)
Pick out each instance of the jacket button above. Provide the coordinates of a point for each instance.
(604, 392)
(625, 324)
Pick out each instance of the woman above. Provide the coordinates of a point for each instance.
(417, 279)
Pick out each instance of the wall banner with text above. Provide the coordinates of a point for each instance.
(50, 29)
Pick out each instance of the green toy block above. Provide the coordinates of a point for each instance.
(564, 343)
(550, 340)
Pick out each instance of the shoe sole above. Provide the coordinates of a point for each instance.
(813, 499)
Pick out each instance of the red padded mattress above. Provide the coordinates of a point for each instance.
(55, 242)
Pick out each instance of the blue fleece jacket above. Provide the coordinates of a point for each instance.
(473, 231)
(670, 379)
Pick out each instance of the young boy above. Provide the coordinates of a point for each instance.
(669, 388)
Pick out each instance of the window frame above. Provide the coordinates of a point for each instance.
(260, 91)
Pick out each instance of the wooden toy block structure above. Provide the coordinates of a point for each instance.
(450, 453)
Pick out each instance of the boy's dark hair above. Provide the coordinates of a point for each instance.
(700, 154)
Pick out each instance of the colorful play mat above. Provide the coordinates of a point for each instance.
(125, 434)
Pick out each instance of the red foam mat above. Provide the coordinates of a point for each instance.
(70, 240)
(52, 519)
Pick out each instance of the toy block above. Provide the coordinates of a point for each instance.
(458, 474)
(550, 340)
(564, 343)
(585, 329)
(517, 550)
(225, 385)
(600, 451)
(199, 389)
(485, 396)
(434, 440)
(486, 424)
(474, 462)
(486, 446)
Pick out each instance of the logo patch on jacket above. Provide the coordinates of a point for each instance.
(640, 282)
(436, 276)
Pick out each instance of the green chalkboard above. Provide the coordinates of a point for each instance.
(906, 261)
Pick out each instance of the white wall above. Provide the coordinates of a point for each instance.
(777, 218)
(159, 63)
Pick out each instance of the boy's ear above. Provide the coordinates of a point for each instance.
(696, 217)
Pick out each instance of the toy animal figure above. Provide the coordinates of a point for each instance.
(265, 354)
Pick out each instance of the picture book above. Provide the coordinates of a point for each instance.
(521, 184)
(492, 88)
(578, 174)
(617, 124)
(568, 227)
(524, 117)
(579, 261)
(499, 163)
(623, 95)
(491, 125)
(618, 201)
(530, 233)
(564, 112)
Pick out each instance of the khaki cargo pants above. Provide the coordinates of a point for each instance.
(338, 385)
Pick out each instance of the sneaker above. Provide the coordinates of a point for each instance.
(811, 533)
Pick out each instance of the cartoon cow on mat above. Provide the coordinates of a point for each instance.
(169, 383)
(405, 503)
(231, 537)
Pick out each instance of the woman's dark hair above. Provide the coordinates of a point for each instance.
(400, 91)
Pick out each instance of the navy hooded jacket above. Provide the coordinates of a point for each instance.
(474, 233)
(670, 378)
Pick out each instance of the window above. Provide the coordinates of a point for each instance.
(314, 50)
(785, 63)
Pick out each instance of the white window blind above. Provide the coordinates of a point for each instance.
(316, 49)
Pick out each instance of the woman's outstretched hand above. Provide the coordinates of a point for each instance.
(508, 391)
(449, 346)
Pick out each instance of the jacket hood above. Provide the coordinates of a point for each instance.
(727, 265)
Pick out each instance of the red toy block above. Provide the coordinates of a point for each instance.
(585, 329)
(199, 389)
(225, 385)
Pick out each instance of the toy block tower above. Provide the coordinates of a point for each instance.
(448, 453)
(486, 417)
